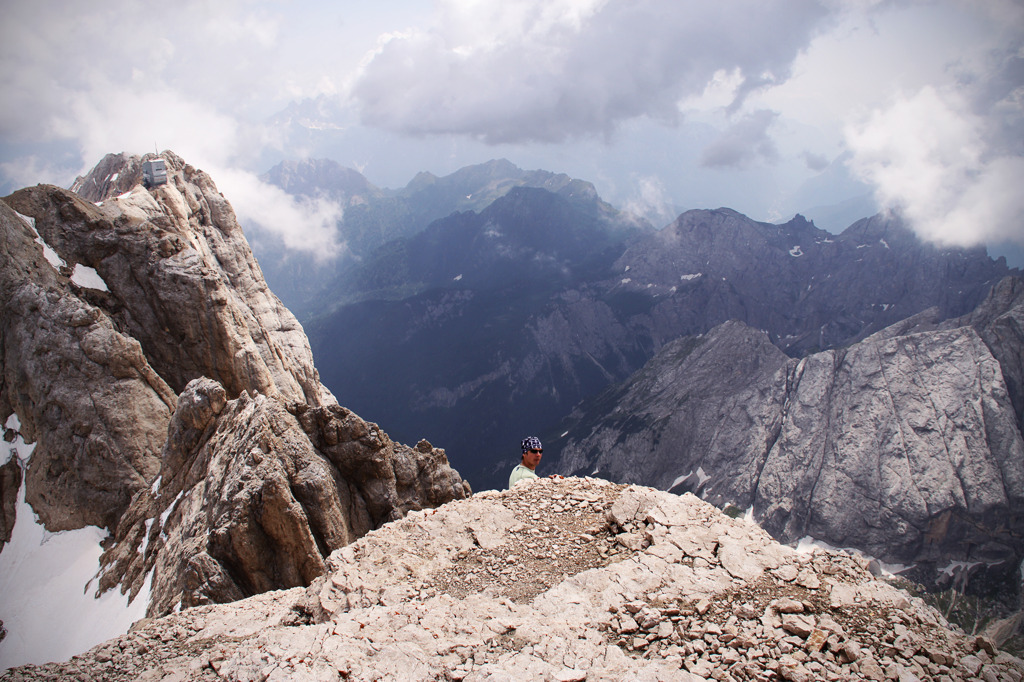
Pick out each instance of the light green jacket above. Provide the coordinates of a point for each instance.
(520, 473)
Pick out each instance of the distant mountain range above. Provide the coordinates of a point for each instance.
(528, 293)
(373, 217)
(840, 386)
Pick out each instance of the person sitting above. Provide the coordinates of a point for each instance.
(532, 452)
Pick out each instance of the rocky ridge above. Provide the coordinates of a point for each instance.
(907, 445)
(574, 579)
(172, 398)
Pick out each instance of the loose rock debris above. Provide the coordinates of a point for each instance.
(574, 579)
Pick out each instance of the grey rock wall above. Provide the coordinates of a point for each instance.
(182, 281)
(906, 445)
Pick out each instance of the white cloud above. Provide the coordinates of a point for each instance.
(607, 90)
(308, 225)
(816, 162)
(142, 119)
(650, 200)
(947, 168)
(534, 73)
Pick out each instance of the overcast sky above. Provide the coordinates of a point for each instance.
(766, 107)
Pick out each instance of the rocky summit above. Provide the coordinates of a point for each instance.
(172, 399)
(560, 579)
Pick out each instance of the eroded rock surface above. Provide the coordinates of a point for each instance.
(81, 387)
(172, 399)
(907, 445)
(182, 280)
(574, 579)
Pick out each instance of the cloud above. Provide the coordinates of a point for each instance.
(815, 162)
(302, 224)
(553, 70)
(743, 143)
(650, 200)
(950, 157)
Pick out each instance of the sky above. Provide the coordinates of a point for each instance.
(831, 108)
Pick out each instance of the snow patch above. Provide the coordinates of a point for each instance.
(47, 608)
(883, 243)
(14, 424)
(87, 277)
(167, 512)
(796, 251)
(807, 545)
(564, 434)
(54, 259)
(679, 479)
(687, 278)
(457, 278)
(702, 478)
(625, 280)
(958, 567)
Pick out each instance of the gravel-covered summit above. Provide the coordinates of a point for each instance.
(574, 579)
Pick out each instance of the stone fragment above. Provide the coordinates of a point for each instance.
(628, 626)
(787, 605)
(745, 611)
(871, 670)
(850, 651)
(982, 643)
(807, 578)
(816, 640)
(798, 624)
(787, 572)
(972, 664)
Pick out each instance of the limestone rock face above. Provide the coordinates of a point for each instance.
(575, 579)
(906, 445)
(247, 502)
(10, 483)
(82, 389)
(172, 399)
(907, 448)
(182, 281)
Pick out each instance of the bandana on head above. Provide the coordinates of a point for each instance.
(531, 443)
